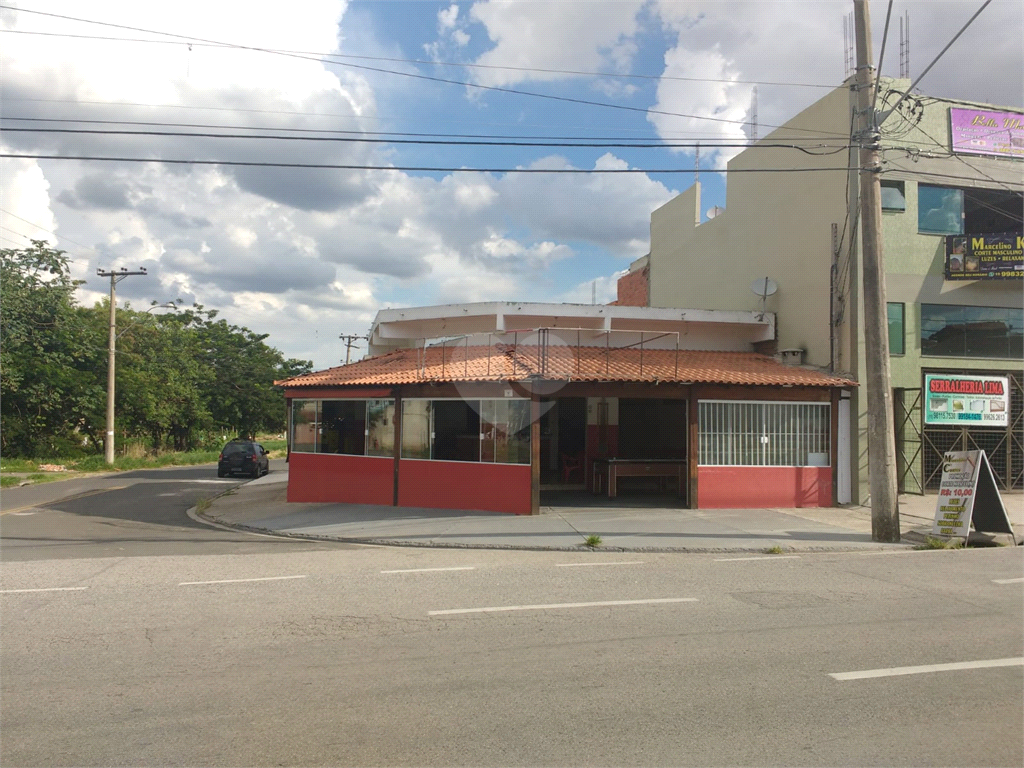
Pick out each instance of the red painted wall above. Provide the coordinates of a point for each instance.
(751, 487)
(337, 477)
(464, 485)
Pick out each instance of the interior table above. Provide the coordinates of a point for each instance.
(616, 468)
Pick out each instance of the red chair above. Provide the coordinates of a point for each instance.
(570, 465)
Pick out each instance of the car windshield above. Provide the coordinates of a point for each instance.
(232, 448)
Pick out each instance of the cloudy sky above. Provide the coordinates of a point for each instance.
(308, 254)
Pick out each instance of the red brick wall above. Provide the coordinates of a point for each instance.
(634, 288)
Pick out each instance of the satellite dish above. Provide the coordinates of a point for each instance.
(713, 212)
(764, 287)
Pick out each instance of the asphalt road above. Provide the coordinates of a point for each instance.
(123, 514)
(224, 649)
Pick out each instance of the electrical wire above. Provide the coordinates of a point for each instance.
(429, 62)
(411, 169)
(211, 126)
(466, 84)
(441, 142)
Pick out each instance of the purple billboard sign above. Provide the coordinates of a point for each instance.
(980, 132)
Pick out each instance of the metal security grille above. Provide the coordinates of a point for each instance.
(764, 434)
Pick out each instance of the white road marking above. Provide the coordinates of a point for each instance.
(500, 608)
(432, 570)
(894, 671)
(47, 589)
(239, 581)
(21, 514)
(581, 565)
(1007, 581)
(769, 557)
(167, 494)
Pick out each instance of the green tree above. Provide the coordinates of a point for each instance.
(48, 361)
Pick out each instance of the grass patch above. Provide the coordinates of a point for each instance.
(593, 541)
(6, 481)
(932, 542)
(202, 505)
(776, 550)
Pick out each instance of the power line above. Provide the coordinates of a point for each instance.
(442, 142)
(463, 83)
(331, 166)
(429, 62)
(521, 137)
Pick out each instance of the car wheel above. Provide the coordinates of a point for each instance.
(221, 473)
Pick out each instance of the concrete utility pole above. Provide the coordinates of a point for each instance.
(115, 276)
(885, 516)
(350, 341)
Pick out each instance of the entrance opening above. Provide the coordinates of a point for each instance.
(563, 443)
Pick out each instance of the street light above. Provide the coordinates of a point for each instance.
(108, 444)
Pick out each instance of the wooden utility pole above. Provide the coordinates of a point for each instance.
(115, 276)
(885, 517)
(350, 341)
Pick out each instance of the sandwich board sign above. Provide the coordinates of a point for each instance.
(968, 495)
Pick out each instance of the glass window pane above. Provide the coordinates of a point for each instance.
(416, 429)
(893, 198)
(304, 426)
(342, 427)
(983, 332)
(519, 432)
(456, 430)
(897, 332)
(940, 210)
(380, 424)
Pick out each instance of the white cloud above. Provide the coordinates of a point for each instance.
(554, 35)
(447, 17)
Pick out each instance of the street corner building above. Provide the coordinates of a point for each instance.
(511, 407)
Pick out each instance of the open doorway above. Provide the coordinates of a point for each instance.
(563, 443)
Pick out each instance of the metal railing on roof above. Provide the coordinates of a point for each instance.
(530, 352)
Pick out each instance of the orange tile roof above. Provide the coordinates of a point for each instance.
(507, 363)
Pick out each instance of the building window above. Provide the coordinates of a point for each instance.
(764, 434)
(983, 332)
(492, 431)
(305, 425)
(353, 427)
(342, 427)
(455, 432)
(416, 429)
(940, 210)
(893, 196)
(380, 427)
(505, 430)
(897, 328)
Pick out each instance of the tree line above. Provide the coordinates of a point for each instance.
(184, 379)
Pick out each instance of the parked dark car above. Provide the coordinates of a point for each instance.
(243, 457)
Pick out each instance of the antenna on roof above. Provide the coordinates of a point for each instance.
(848, 44)
(764, 287)
(593, 292)
(905, 45)
(696, 164)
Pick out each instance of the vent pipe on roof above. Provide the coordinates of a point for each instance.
(794, 356)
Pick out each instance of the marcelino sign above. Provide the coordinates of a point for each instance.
(980, 401)
(996, 256)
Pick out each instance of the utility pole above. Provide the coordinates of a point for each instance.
(115, 277)
(885, 516)
(350, 341)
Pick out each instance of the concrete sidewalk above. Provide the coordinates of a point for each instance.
(261, 506)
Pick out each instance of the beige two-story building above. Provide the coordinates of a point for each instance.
(952, 226)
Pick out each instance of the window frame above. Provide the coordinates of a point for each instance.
(903, 327)
(744, 442)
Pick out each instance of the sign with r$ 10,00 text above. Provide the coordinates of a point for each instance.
(967, 495)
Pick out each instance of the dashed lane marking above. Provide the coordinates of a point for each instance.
(552, 606)
(1008, 581)
(239, 581)
(433, 570)
(863, 674)
(769, 557)
(582, 565)
(45, 589)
